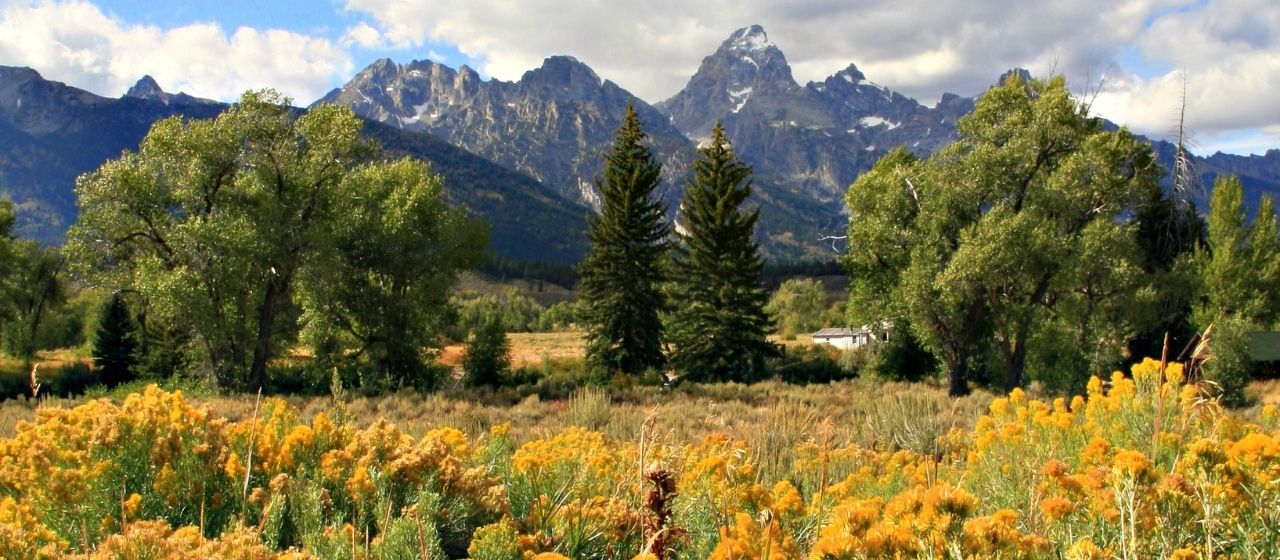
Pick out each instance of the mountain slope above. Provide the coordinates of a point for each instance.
(50, 133)
(811, 142)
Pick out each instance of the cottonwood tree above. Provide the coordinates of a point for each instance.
(622, 273)
(1240, 265)
(718, 324)
(32, 289)
(977, 244)
(389, 250)
(211, 221)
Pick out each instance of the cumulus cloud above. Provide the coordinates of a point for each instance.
(1224, 49)
(363, 35)
(1224, 54)
(75, 42)
(920, 47)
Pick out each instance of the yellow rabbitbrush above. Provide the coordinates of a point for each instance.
(1142, 466)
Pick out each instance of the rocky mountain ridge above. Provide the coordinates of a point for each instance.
(547, 133)
(50, 133)
(554, 123)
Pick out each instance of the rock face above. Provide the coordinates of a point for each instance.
(812, 140)
(554, 123)
(147, 88)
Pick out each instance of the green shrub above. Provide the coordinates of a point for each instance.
(818, 363)
(488, 354)
(902, 357)
(1231, 367)
(69, 380)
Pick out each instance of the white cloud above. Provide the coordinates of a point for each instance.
(77, 43)
(920, 47)
(1226, 54)
(363, 35)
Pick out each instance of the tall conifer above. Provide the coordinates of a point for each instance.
(115, 343)
(621, 276)
(718, 326)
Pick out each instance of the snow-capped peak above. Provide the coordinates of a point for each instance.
(750, 39)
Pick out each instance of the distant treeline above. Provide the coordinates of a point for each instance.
(566, 275)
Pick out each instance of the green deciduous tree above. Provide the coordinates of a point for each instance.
(718, 325)
(800, 306)
(976, 245)
(1240, 266)
(488, 354)
(34, 287)
(213, 221)
(621, 275)
(390, 250)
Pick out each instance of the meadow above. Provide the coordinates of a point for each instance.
(1144, 465)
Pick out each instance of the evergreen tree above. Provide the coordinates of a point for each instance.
(115, 344)
(719, 325)
(622, 272)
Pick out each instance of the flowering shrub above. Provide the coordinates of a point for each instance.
(1141, 466)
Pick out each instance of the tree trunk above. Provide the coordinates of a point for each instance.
(1016, 360)
(266, 325)
(957, 377)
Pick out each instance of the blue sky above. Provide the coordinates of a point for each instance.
(1140, 52)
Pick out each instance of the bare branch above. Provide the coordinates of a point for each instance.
(832, 239)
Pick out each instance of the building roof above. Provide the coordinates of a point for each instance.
(1264, 346)
(840, 331)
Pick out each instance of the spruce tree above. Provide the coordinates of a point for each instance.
(719, 325)
(115, 343)
(621, 275)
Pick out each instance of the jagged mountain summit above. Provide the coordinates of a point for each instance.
(806, 143)
(747, 67)
(554, 123)
(147, 88)
(547, 133)
(812, 139)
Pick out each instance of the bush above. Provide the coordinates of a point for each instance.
(69, 380)
(297, 378)
(1231, 368)
(488, 355)
(818, 363)
(902, 357)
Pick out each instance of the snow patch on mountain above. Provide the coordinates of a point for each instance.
(874, 121)
(739, 98)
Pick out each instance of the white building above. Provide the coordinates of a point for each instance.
(847, 339)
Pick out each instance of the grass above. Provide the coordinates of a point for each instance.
(772, 416)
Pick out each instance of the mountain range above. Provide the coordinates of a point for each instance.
(525, 154)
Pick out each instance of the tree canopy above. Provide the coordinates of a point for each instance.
(1013, 234)
(214, 222)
